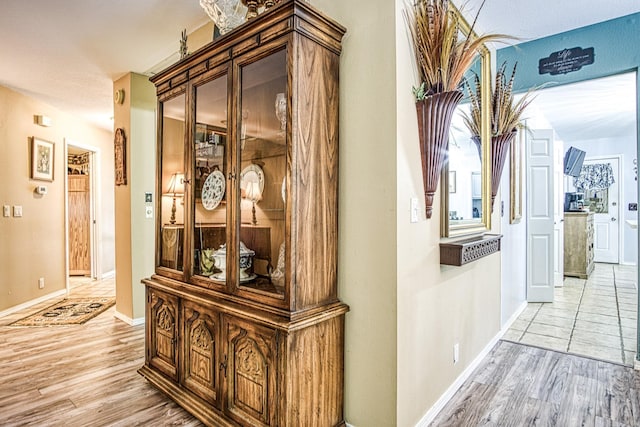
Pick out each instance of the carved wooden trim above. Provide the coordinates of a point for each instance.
(468, 250)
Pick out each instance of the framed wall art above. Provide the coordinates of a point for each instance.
(120, 155)
(42, 159)
(515, 181)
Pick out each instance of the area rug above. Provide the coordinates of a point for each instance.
(70, 311)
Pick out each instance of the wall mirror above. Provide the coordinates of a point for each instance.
(465, 181)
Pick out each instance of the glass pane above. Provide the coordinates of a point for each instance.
(263, 119)
(172, 215)
(210, 171)
(597, 200)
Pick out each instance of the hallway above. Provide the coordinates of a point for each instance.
(594, 318)
(79, 375)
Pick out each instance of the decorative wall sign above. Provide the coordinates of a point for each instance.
(42, 159)
(120, 155)
(566, 61)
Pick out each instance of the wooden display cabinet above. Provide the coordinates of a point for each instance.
(251, 121)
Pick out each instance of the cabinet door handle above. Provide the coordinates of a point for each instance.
(613, 219)
(223, 365)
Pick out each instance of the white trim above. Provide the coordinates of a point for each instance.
(56, 294)
(109, 274)
(453, 388)
(128, 320)
(451, 391)
(628, 263)
(513, 318)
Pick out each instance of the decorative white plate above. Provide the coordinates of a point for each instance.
(213, 190)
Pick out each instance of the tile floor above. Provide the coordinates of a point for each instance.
(594, 317)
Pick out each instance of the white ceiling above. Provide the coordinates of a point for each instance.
(68, 52)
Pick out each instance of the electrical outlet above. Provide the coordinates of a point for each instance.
(6, 210)
(17, 211)
(456, 353)
(41, 283)
(633, 206)
(148, 212)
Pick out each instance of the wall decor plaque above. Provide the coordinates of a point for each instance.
(120, 155)
(566, 61)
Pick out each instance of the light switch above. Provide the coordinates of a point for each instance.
(6, 210)
(148, 211)
(17, 211)
(414, 209)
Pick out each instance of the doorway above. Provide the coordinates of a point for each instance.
(604, 202)
(82, 265)
(594, 316)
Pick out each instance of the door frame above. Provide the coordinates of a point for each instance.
(95, 240)
(620, 182)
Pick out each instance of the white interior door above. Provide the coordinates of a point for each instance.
(540, 216)
(606, 207)
(558, 213)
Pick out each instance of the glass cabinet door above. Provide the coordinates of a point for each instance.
(262, 116)
(210, 172)
(172, 183)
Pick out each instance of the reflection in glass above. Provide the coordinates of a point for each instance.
(209, 170)
(172, 184)
(263, 120)
(465, 204)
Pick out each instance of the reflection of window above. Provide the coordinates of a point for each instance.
(476, 185)
(597, 200)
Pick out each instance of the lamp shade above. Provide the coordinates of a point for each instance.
(176, 185)
(252, 191)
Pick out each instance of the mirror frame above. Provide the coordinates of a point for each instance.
(447, 230)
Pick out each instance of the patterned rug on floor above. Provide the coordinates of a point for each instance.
(70, 311)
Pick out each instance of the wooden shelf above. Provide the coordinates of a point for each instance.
(464, 251)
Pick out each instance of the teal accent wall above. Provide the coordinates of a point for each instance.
(617, 50)
(616, 44)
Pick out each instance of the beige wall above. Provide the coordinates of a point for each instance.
(135, 240)
(438, 306)
(367, 201)
(34, 246)
(406, 310)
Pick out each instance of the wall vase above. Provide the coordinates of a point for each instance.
(434, 121)
(499, 149)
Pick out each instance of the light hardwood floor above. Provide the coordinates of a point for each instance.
(518, 385)
(79, 375)
(85, 375)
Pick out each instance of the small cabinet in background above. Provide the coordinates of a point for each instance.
(578, 244)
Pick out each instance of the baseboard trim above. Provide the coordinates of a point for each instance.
(513, 318)
(453, 388)
(128, 320)
(33, 302)
(109, 274)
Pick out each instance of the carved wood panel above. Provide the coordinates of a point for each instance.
(200, 366)
(251, 375)
(163, 330)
